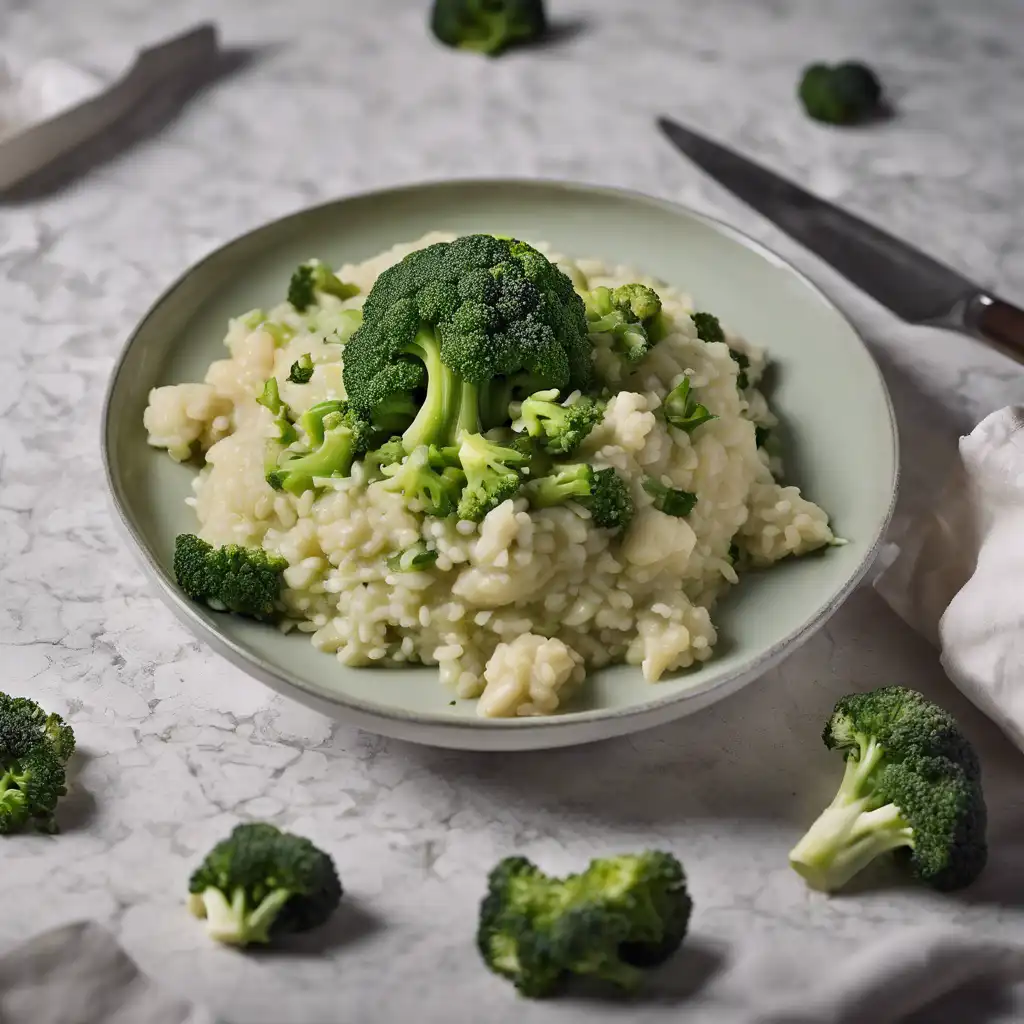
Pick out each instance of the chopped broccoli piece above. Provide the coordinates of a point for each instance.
(671, 500)
(426, 487)
(708, 327)
(560, 428)
(312, 277)
(631, 314)
(912, 785)
(492, 475)
(388, 454)
(602, 491)
(620, 915)
(414, 558)
(682, 410)
(34, 747)
(302, 370)
(461, 325)
(270, 398)
(841, 94)
(261, 883)
(487, 26)
(336, 435)
(233, 578)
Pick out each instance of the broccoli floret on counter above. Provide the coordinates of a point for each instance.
(912, 786)
(232, 578)
(426, 483)
(34, 748)
(302, 370)
(682, 410)
(560, 429)
(312, 277)
(492, 475)
(336, 436)
(673, 501)
(261, 883)
(487, 26)
(841, 94)
(631, 314)
(413, 558)
(620, 915)
(602, 491)
(461, 325)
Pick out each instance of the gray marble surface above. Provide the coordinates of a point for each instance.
(342, 95)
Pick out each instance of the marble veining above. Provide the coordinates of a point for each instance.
(343, 95)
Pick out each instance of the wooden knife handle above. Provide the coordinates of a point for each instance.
(999, 322)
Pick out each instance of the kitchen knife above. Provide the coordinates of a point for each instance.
(914, 286)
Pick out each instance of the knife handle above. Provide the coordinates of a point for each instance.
(998, 322)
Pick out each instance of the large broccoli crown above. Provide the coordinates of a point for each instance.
(912, 785)
(487, 26)
(247, 581)
(621, 914)
(261, 882)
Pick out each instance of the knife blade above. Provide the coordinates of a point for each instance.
(913, 285)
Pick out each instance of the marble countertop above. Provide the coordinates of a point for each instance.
(342, 95)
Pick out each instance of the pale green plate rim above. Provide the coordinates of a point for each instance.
(365, 712)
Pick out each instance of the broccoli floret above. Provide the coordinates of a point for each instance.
(631, 314)
(742, 360)
(492, 475)
(671, 500)
(682, 410)
(459, 324)
(261, 883)
(846, 93)
(560, 428)
(232, 578)
(312, 277)
(270, 398)
(487, 26)
(708, 327)
(912, 785)
(426, 486)
(336, 434)
(414, 558)
(602, 491)
(34, 747)
(389, 453)
(302, 370)
(622, 914)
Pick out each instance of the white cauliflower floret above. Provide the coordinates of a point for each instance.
(180, 414)
(532, 675)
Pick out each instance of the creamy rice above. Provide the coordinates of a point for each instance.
(517, 607)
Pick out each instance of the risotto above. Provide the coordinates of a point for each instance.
(516, 608)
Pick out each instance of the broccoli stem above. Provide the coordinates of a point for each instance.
(468, 421)
(851, 832)
(432, 423)
(232, 923)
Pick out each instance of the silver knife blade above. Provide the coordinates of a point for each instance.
(911, 284)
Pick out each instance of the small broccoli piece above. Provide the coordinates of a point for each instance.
(682, 410)
(312, 277)
(742, 360)
(389, 453)
(560, 428)
(708, 327)
(270, 398)
(336, 434)
(487, 26)
(426, 486)
(602, 491)
(622, 914)
(414, 558)
(631, 314)
(492, 475)
(912, 785)
(671, 500)
(302, 370)
(841, 94)
(261, 883)
(337, 325)
(247, 581)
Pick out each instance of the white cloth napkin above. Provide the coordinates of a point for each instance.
(958, 575)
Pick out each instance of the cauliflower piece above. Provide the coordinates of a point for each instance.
(178, 415)
(532, 675)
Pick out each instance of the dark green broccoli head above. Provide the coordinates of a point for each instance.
(247, 581)
(620, 915)
(912, 785)
(846, 93)
(630, 314)
(560, 429)
(487, 26)
(30, 787)
(261, 883)
(312, 277)
(24, 725)
(708, 327)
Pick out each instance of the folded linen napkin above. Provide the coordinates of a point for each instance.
(958, 575)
